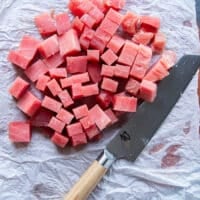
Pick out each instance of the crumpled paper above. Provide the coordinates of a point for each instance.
(167, 169)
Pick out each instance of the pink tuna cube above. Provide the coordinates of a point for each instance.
(159, 42)
(68, 43)
(92, 132)
(58, 73)
(86, 37)
(86, 122)
(150, 23)
(79, 139)
(111, 115)
(114, 16)
(98, 43)
(77, 91)
(107, 70)
(96, 14)
(64, 116)
(36, 70)
(121, 71)
(94, 70)
(42, 82)
(18, 87)
(93, 55)
(132, 86)
(62, 23)
(65, 98)
(90, 90)
(142, 37)
(19, 131)
(28, 103)
(51, 104)
(54, 87)
(109, 57)
(81, 111)
(59, 140)
(130, 22)
(104, 99)
(103, 35)
(88, 20)
(109, 85)
(74, 129)
(109, 26)
(115, 4)
(85, 7)
(77, 25)
(116, 43)
(56, 125)
(54, 61)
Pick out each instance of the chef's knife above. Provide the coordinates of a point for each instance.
(138, 131)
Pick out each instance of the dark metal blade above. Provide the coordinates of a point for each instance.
(137, 132)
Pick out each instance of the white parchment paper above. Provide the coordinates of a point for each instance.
(169, 167)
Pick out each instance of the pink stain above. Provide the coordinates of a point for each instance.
(187, 23)
(170, 160)
(187, 127)
(173, 148)
(156, 148)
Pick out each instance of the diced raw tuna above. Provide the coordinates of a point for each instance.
(54, 87)
(86, 122)
(49, 47)
(76, 64)
(90, 90)
(148, 90)
(111, 115)
(19, 131)
(98, 116)
(109, 26)
(93, 55)
(65, 116)
(100, 5)
(104, 99)
(121, 71)
(159, 42)
(65, 98)
(77, 25)
(116, 4)
(88, 20)
(128, 53)
(114, 16)
(150, 23)
(36, 70)
(142, 62)
(54, 61)
(98, 43)
(45, 24)
(56, 125)
(85, 7)
(51, 104)
(109, 84)
(42, 82)
(59, 140)
(132, 86)
(96, 14)
(109, 57)
(62, 23)
(124, 103)
(168, 59)
(78, 78)
(28, 103)
(81, 111)
(107, 70)
(79, 139)
(129, 23)
(68, 43)
(116, 43)
(142, 37)
(77, 91)
(58, 73)
(73, 6)
(18, 87)
(104, 36)
(86, 37)
(74, 129)
(92, 132)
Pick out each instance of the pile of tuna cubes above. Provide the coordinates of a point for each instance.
(90, 70)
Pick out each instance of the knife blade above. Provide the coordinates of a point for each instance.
(141, 127)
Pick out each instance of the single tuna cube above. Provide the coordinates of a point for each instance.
(128, 53)
(111, 115)
(18, 87)
(51, 104)
(142, 62)
(54, 61)
(121, 71)
(45, 24)
(159, 42)
(104, 99)
(94, 70)
(90, 90)
(58, 73)
(74, 129)
(42, 82)
(129, 23)
(150, 23)
(148, 90)
(142, 37)
(36, 70)
(19, 131)
(98, 43)
(98, 116)
(56, 125)
(93, 55)
(124, 103)
(109, 57)
(114, 16)
(132, 86)
(78, 78)
(77, 25)
(77, 64)
(107, 70)
(100, 5)
(86, 122)
(54, 87)
(96, 14)
(109, 26)
(168, 59)
(59, 140)
(109, 85)
(115, 4)
(86, 37)
(65, 98)
(116, 43)
(103, 35)
(28, 103)
(62, 23)
(85, 7)
(79, 139)
(64, 116)
(81, 111)
(77, 91)
(68, 43)
(88, 20)
(92, 132)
